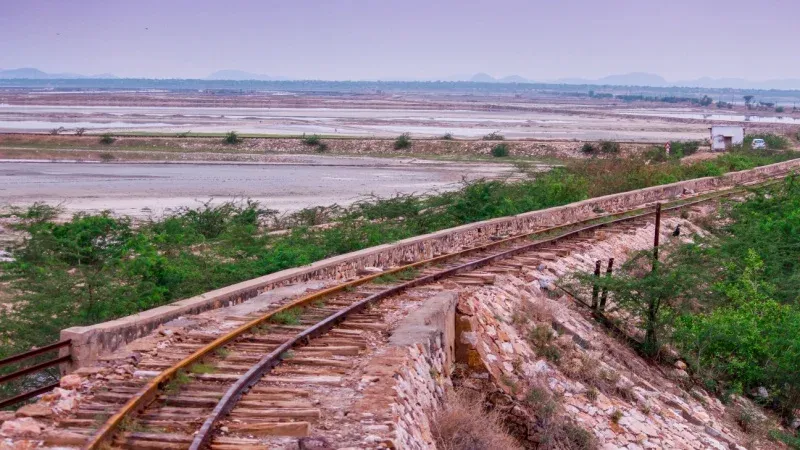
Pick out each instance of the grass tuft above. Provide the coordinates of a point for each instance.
(288, 317)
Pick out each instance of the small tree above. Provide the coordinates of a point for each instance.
(232, 138)
(447, 137)
(56, 131)
(402, 141)
(587, 148)
(654, 291)
(80, 131)
(747, 99)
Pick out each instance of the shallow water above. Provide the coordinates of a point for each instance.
(719, 117)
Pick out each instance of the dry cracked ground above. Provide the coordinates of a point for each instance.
(534, 354)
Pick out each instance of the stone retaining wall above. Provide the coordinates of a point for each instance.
(91, 341)
(411, 376)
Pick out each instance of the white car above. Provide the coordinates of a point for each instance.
(758, 144)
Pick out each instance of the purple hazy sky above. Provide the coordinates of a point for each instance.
(403, 39)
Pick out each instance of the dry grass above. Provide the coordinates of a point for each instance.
(464, 425)
(556, 431)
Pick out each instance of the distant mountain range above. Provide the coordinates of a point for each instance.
(649, 79)
(627, 79)
(36, 74)
(239, 75)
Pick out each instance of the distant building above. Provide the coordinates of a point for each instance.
(725, 137)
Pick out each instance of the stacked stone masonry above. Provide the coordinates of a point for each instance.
(419, 359)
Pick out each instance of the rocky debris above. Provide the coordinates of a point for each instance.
(25, 427)
(370, 271)
(35, 410)
(71, 381)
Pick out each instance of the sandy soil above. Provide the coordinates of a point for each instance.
(370, 116)
(296, 182)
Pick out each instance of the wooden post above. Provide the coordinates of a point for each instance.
(604, 296)
(657, 236)
(596, 288)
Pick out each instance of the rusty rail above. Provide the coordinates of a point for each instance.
(32, 369)
(150, 391)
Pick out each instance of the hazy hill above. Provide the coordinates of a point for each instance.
(31, 73)
(238, 75)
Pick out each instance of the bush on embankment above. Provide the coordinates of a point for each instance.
(728, 303)
(98, 267)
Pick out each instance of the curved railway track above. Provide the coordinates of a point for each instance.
(254, 367)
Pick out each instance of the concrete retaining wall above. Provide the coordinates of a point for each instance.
(91, 341)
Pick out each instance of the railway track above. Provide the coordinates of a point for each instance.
(218, 389)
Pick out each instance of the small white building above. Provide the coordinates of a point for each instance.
(723, 137)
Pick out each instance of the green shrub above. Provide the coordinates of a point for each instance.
(107, 139)
(312, 140)
(447, 137)
(494, 136)
(106, 157)
(609, 147)
(791, 440)
(232, 138)
(402, 142)
(779, 109)
(679, 149)
(588, 148)
(322, 147)
(500, 150)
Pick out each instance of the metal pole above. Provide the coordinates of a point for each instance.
(596, 288)
(657, 236)
(604, 296)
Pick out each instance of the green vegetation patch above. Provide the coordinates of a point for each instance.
(402, 142)
(288, 317)
(728, 302)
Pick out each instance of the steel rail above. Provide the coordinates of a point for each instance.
(34, 368)
(149, 392)
(34, 352)
(22, 397)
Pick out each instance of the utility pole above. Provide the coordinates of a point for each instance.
(657, 235)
